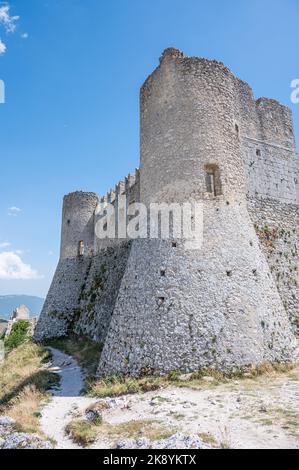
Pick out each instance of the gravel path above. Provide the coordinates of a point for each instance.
(261, 413)
(66, 402)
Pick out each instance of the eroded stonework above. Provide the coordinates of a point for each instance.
(155, 305)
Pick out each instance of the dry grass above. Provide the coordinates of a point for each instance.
(84, 432)
(225, 438)
(117, 386)
(287, 418)
(23, 385)
(24, 409)
(207, 438)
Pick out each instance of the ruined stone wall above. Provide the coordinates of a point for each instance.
(272, 181)
(277, 226)
(128, 188)
(85, 286)
(272, 172)
(188, 120)
(99, 290)
(181, 309)
(156, 305)
(59, 310)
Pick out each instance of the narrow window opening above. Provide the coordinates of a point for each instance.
(258, 152)
(211, 183)
(213, 180)
(174, 244)
(68, 221)
(162, 272)
(237, 129)
(81, 248)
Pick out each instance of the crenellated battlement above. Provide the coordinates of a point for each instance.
(124, 188)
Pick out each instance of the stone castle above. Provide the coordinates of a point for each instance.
(21, 313)
(156, 306)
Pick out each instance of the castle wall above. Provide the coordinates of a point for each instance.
(155, 305)
(129, 189)
(84, 288)
(213, 307)
(272, 186)
(218, 306)
(277, 226)
(271, 172)
(98, 292)
(60, 308)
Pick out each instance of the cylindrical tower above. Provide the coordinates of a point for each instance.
(188, 127)
(60, 309)
(77, 232)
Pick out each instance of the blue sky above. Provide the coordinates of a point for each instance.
(73, 69)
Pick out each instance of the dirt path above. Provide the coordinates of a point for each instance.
(260, 413)
(247, 414)
(66, 402)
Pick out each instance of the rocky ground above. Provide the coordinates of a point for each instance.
(259, 413)
(11, 439)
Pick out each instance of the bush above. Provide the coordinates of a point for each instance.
(19, 334)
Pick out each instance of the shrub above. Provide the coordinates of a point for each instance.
(19, 334)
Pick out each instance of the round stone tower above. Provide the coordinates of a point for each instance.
(77, 233)
(189, 126)
(183, 309)
(60, 309)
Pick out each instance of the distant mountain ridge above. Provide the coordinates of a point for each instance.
(9, 302)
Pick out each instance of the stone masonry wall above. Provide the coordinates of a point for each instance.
(218, 306)
(277, 226)
(271, 171)
(98, 292)
(155, 305)
(184, 310)
(59, 310)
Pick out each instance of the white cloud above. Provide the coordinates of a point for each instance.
(13, 268)
(14, 211)
(2, 48)
(8, 21)
(24, 35)
(4, 245)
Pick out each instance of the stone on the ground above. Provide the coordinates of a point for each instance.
(10, 439)
(176, 441)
